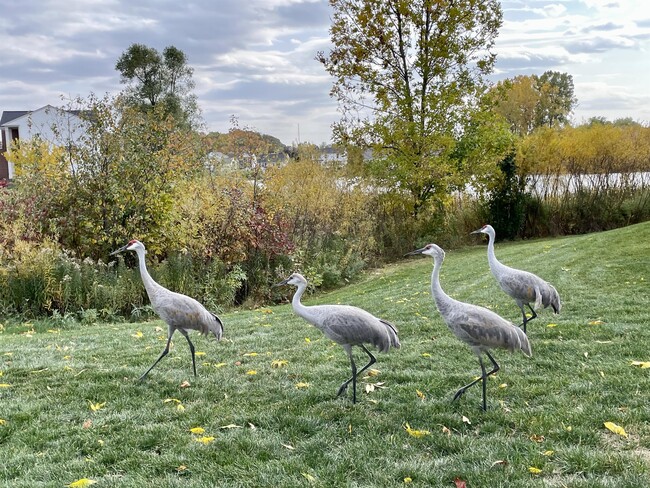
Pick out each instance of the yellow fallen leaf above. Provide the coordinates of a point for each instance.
(197, 430)
(138, 335)
(205, 440)
(82, 483)
(308, 477)
(307, 339)
(180, 407)
(643, 364)
(302, 385)
(231, 426)
(3, 422)
(503, 385)
(251, 372)
(171, 400)
(534, 470)
(548, 453)
(199, 353)
(596, 322)
(426, 355)
(1, 373)
(415, 432)
(96, 406)
(181, 468)
(5, 385)
(617, 429)
(420, 394)
(220, 365)
(279, 363)
(551, 325)
(373, 372)
(408, 480)
(249, 354)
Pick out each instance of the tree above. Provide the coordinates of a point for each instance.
(556, 99)
(517, 101)
(407, 76)
(157, 79)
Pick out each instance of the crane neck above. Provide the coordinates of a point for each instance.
(149, 284)
(492, 259)
(300, 309)
(443, 301)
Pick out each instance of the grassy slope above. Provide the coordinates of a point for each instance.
(580, 376)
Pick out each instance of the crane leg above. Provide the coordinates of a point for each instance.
(355, 373)
(526, 319)
(187, 336)
(162, 355)
(484, 376)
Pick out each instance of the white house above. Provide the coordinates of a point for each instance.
(53, 125)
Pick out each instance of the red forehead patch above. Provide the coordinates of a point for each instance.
(132, 241)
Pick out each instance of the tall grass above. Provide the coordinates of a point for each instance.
(266, 392)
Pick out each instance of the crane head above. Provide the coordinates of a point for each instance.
(295, 279)
(132, 245)
(430, 250)
(486, 229)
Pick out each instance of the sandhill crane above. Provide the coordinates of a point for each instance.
(479, 328)
(179, 311)
(522, 286)
(346, 325)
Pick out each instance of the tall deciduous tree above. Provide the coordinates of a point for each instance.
(407, 75)
(156, 79)
(557, 100)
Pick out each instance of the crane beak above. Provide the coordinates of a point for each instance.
(123, 248)
(417, 251)
(283, 282)
(476, 232)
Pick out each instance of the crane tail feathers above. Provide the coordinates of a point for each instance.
(524, 343)
(392, 335)
(216, 327)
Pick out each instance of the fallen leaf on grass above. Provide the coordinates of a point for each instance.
(445, 430)
(279, 363)
(548, 453)
(231, 426)
(460, 483)
(415, 432)
(596, 322)
(87, 424)
(138, 335)
(466, 420)
(250, 354)
(420, 394)
(373, 372)
(308, 477)
(180, 407)
(617, 429)
(551, 325)
(199, 353)
(82, 483)
(171, 400)
(96, 406)
(288, 446)
(251, 372)
(537, 438)
(642, 364)
(3, 421)
(500, 462)
(220, 365)
(205, 440)
(5, 385)
(534, 470)
(302, 385)
(197, 430)
(408, 479)
(185, 384)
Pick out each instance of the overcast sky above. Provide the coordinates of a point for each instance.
(255, 58)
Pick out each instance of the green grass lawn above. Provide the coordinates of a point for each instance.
(265, 395)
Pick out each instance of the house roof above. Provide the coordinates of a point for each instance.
(9, 115)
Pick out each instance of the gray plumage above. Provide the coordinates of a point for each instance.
(524, 287)
(479, 328)
(180, 312)
(346, 325)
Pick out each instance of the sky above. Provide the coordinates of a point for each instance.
(255, 59)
